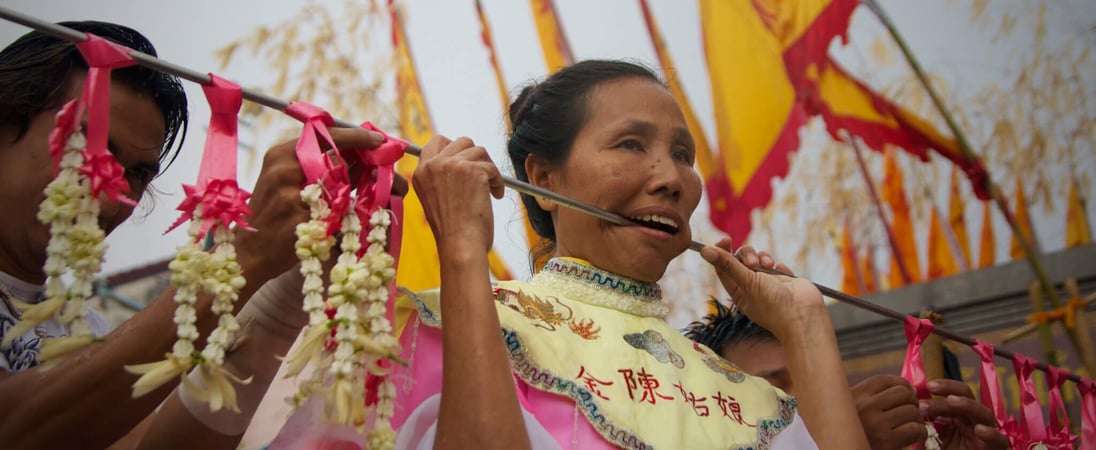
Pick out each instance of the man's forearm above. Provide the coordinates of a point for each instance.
(85, 400)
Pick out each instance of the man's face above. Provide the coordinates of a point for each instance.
(136, 138)
(763, 358)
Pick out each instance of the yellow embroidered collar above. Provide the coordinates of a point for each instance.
(578, 280)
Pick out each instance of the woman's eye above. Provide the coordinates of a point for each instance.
(630, 144)
(683, 155)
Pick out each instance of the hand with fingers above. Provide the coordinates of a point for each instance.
(276, 206)
(455, 181)
(963, 422)
(888, 409)
(780, 304)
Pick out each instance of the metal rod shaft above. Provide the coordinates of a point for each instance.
(146, 60)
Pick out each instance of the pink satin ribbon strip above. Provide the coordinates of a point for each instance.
(106, 175)
(1088, 412)
(913, 368)
(1031, 414)
(1059, 435)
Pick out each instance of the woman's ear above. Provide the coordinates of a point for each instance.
(541, 175)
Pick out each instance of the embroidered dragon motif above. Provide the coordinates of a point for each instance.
(537, 309)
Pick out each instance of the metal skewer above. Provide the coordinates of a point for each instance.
(146, 60)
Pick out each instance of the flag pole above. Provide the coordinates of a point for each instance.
(1026, 242)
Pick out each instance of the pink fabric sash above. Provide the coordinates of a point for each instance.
(327, 168)
(1059, 434)
(990, 390)
(217, 190)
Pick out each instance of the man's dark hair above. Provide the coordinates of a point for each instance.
(726, 327)
(35, 71)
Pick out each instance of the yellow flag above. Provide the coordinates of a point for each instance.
(704, 161)
(420, 267)
(553, 43)
(1077, 229)
(1023, 221)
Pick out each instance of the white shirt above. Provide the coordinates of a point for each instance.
(22, 354)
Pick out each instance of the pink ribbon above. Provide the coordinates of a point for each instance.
(106, 175)
(375, 191)
(1088, 412)
(1031, 414)
(913, 369)
(990, 390)
(327, 168)
(217, 190)
(1059, 433)
(64, 127)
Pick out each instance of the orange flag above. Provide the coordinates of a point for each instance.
(553, 42)
(851, 281)
(1023, 221)
(987, 246)
(956, 219)
(868, 273)
(1077, 230)
(418, 250)
(894, 194)
(942, 261)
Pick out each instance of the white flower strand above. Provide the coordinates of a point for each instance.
(346, 295)
(76, 245)
(187, 269)
(313, 248)
(382, 272)
(223, 278)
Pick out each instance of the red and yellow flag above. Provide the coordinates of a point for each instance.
(956, 219)
(492, 57)
(905, 267)
(942, 262)
(553, 42)
(987, 243)
(704, 161)
(756, 113)
(1077, 230)
(1023, 222)
(418, 250)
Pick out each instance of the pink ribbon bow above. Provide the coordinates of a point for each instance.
(1031, 414)
(1059, 433)
(913, 368)
(327, 168)
(217, 190)
(1088, 412)
(106, 175)
(990, 390)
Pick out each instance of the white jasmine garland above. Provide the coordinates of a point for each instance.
(313, 248)
(76, 247)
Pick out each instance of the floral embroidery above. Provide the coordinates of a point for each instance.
(656, 345)
(585, 329)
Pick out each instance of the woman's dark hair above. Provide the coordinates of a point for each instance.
(545, 119)
(726, 327)
(35, 72)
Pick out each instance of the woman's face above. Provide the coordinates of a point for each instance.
(634, 157)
